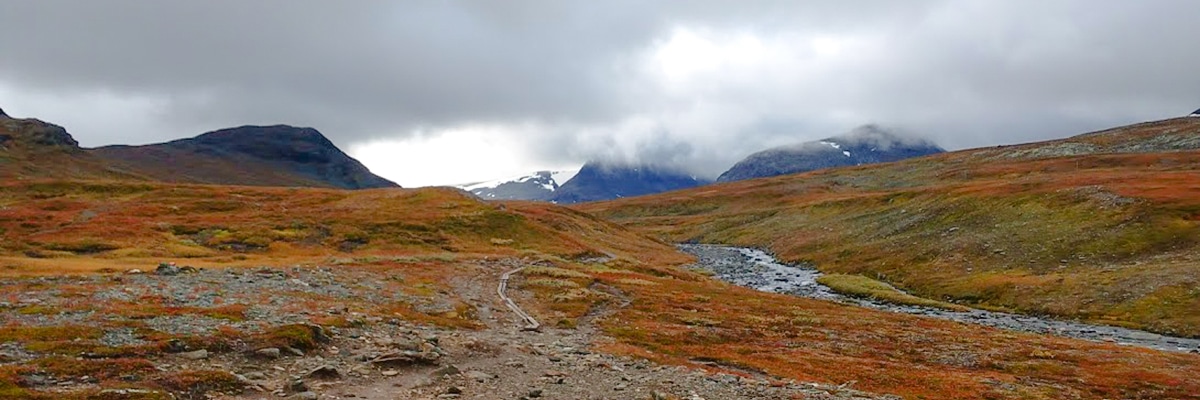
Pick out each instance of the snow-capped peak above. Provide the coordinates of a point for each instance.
(537, 186)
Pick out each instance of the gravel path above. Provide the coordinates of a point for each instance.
(758, 270)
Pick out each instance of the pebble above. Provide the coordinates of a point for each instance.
(195, 355)
(445, 371)
(479, 376)
(269, 352)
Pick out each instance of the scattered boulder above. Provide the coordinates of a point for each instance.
(406, 358)
(324, 372)
(479, 376)
(166, 269)
(297, 386)
(195, 355)
(268, 353)
(445, 371)
(176, 346)
(319, 334)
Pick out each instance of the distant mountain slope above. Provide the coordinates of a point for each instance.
(605, 181)
(277, 155)
(539, 186)
(868, 144)
(35, 149)
(1103, 226)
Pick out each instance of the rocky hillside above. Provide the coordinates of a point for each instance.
(868, 144)
(1102, 226)
(35, 149)
(278, 155)
(605, 181)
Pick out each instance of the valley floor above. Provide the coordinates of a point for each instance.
(249, 333)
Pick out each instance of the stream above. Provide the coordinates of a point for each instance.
(759, 270)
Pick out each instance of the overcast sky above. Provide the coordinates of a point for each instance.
(445, 92)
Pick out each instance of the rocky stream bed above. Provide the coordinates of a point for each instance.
(759, 270)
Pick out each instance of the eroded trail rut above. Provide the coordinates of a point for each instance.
(758, 270)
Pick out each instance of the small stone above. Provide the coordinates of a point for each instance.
(256, 376)
(515, 364)
(294, 351)
(535, 393)
(269, 352)
(479, 376)
(135, 271)
(297, 386)
(448, 370)
(195, 355)
(390, 373)
(621, 387)
(554, 374)
(454, 390)
(306, 396)
(324, 372)
(166, 269)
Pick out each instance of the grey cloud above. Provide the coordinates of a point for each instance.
(963, 73)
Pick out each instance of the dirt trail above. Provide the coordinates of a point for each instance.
(507, 361)
(531, 324)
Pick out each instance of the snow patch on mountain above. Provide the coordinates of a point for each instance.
(540, 185)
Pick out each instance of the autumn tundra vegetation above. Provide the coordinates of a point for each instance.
(1099, 227)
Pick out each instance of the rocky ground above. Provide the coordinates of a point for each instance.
(756, 269)
(325, 333)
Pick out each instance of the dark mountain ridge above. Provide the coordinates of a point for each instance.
(868, 144)
(273, 155)
(598, 181)
(277, 155)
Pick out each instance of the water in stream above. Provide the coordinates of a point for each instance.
(756, 269)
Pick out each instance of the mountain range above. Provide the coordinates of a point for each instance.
(598, 181)
(594, 181)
